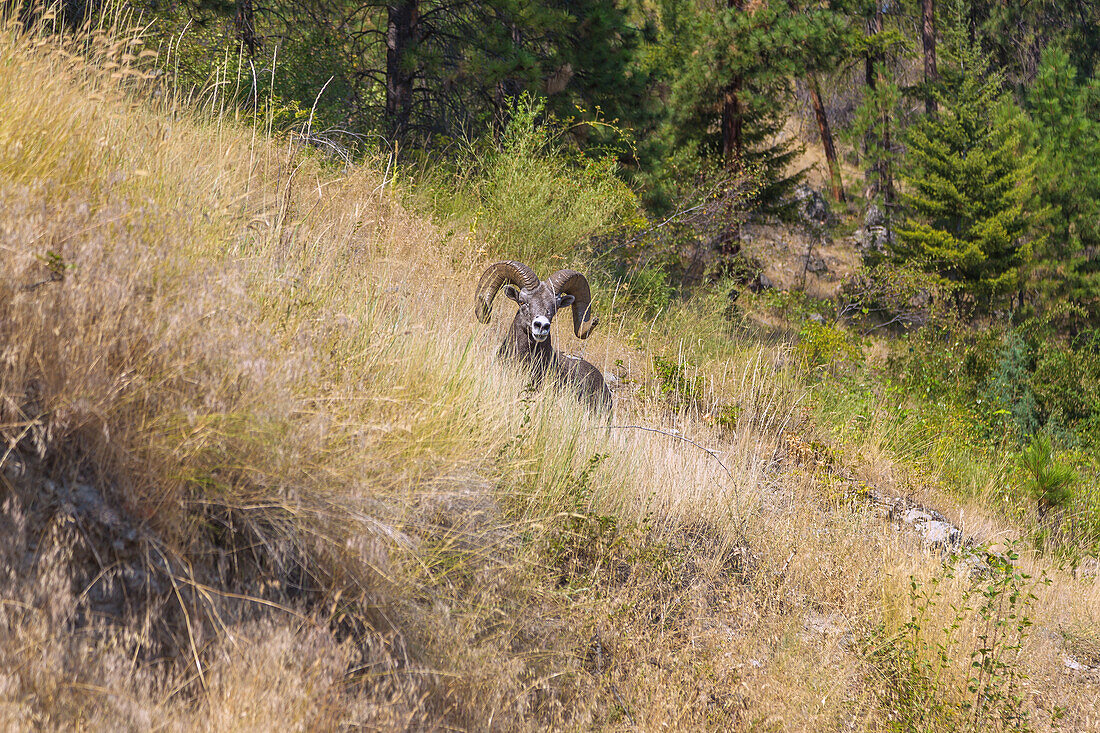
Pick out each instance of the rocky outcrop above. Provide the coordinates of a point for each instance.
(933, 528)
(812, 206)
(875, 234)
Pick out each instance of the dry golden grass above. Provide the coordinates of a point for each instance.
(314, 500)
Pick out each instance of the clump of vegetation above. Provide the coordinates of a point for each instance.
(649, 287)
(964, 675)
(527, 195)
(796, 306)
(821, 346)
(1048, 481)
(679, 380)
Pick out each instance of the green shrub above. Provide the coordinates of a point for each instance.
(1063, 388)
(822, 346)
(891, 295)
(1008, 388)
(1015, 382)
(650, 289)
(581, 538)
(676, 383)
(528, 196)
(795, 305)
(919, 663)
(937, 364)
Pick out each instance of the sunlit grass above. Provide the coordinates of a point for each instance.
(358, 516)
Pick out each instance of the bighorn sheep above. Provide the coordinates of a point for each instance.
(528, 341)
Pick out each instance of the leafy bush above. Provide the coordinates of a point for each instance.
(795, 306)
(582, 537)
(1063, 387)
(921, 664)
(528, 197)
(676, 383)
(889, 294)
(820, 346)
(1015, 381)
(650, 289)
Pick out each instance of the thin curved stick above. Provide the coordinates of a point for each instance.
(712, 453)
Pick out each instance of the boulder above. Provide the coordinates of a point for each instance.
(875, 235)
(815, 263)
(811, 205)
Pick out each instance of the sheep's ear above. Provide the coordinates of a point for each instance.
(512, 292)
(565, 300)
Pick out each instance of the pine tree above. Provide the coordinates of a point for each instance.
(1015, 34)
(1065, 130)
(729, 72)
(967, 181)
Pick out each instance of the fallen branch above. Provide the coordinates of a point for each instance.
(712, 453)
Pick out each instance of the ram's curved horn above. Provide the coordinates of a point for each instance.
(573, 283)
(493, 278)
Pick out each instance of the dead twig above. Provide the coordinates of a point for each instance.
(712, 453)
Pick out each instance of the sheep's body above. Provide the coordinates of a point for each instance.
(528, 340)
(543, 359)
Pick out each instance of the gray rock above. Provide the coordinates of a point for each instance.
(974, 565)
(934, 529)
(872, 239)
(89, 502)
(1076, 666)
(874, 217)
(875, 236)
(811, 204)
(13, 467)
(820, 624)
(816, 263)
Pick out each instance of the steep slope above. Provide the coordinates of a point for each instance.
(261, 469)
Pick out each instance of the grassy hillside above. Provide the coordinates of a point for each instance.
(262, 470)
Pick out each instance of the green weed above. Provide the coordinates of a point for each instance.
(954, 664)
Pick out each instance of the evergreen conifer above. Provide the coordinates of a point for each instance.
(741, 59)
(967, 182)
(1065, 131)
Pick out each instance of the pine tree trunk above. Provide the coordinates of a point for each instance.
(402, 29)
(886, 170)
(870, 176)
(508, 88)
(928, 37)
(733, 141)
(733, 116)
(880, 174)
(826, 139)
(244, 23)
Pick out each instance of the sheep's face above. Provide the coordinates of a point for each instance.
(537, 308)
